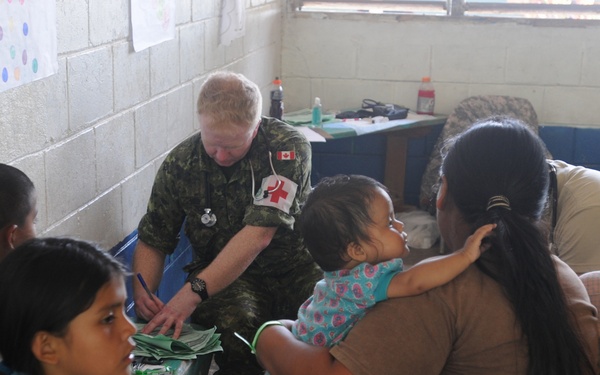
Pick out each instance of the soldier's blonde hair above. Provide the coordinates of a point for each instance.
(230, 99)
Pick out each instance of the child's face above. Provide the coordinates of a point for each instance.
(388, 240)
(98, 340)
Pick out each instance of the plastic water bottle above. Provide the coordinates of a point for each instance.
(317, 113)
(276, 109)
(426, 98)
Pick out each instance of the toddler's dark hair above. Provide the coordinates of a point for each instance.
(335, 215)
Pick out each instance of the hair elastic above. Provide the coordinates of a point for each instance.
(498, 201)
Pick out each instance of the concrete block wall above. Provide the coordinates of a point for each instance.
(345, 58)
(92, 136)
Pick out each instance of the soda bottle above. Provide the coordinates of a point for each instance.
(426, 98)
(276, 109)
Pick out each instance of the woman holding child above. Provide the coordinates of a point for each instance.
(517, 310)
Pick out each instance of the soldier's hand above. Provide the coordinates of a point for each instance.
(147, 307)
(174, 313)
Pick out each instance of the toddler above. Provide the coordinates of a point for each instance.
(349, 227)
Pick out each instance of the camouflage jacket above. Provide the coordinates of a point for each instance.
(179, 195)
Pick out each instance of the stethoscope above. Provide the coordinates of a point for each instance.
(209, 218)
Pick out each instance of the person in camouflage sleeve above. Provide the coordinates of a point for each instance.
(238, 186)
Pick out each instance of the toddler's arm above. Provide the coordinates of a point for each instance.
(429, 274)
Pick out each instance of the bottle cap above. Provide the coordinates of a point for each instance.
(426, 79)
(277, 81)
(317, 100)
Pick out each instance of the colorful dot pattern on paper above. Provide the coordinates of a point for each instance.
(14, 41)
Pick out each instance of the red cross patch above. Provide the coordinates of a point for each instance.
(276, 191)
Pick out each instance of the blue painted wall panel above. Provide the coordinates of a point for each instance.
(587, 148)
(560, 141)
(573, 145)
(368, 165)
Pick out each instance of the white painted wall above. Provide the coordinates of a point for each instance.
(92, 136)
(345, 58)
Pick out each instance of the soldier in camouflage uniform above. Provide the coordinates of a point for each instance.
(253, 174)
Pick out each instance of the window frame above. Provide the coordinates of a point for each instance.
(455, 9)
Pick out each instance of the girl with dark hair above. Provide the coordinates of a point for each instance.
(18, 210)
(517, 310)
(63, 310)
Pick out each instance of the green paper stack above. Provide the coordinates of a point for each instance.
(191, 343)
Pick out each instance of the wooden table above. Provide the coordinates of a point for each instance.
(397, 133)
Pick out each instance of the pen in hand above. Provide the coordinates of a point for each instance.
(143, 282)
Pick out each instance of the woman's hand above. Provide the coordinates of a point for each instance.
(279, 352)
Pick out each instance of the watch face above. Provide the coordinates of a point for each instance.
(198, 285)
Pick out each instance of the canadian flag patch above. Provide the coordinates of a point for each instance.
(286, 155)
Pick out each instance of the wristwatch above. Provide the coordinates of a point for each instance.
(199, 287)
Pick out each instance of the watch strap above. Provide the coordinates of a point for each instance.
(199, 287)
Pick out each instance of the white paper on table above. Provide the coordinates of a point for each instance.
(27, 42)
(365, 126)
(233, 21)
(152, 22)
(310, 134)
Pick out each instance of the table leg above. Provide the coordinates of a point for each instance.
(395, 162)
(395, 168)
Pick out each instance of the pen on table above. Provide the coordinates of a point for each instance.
(143, 282)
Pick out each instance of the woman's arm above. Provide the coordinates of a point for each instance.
(279, 352)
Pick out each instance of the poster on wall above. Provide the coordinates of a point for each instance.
(27, 41)
(152, 22)
(233, 21)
